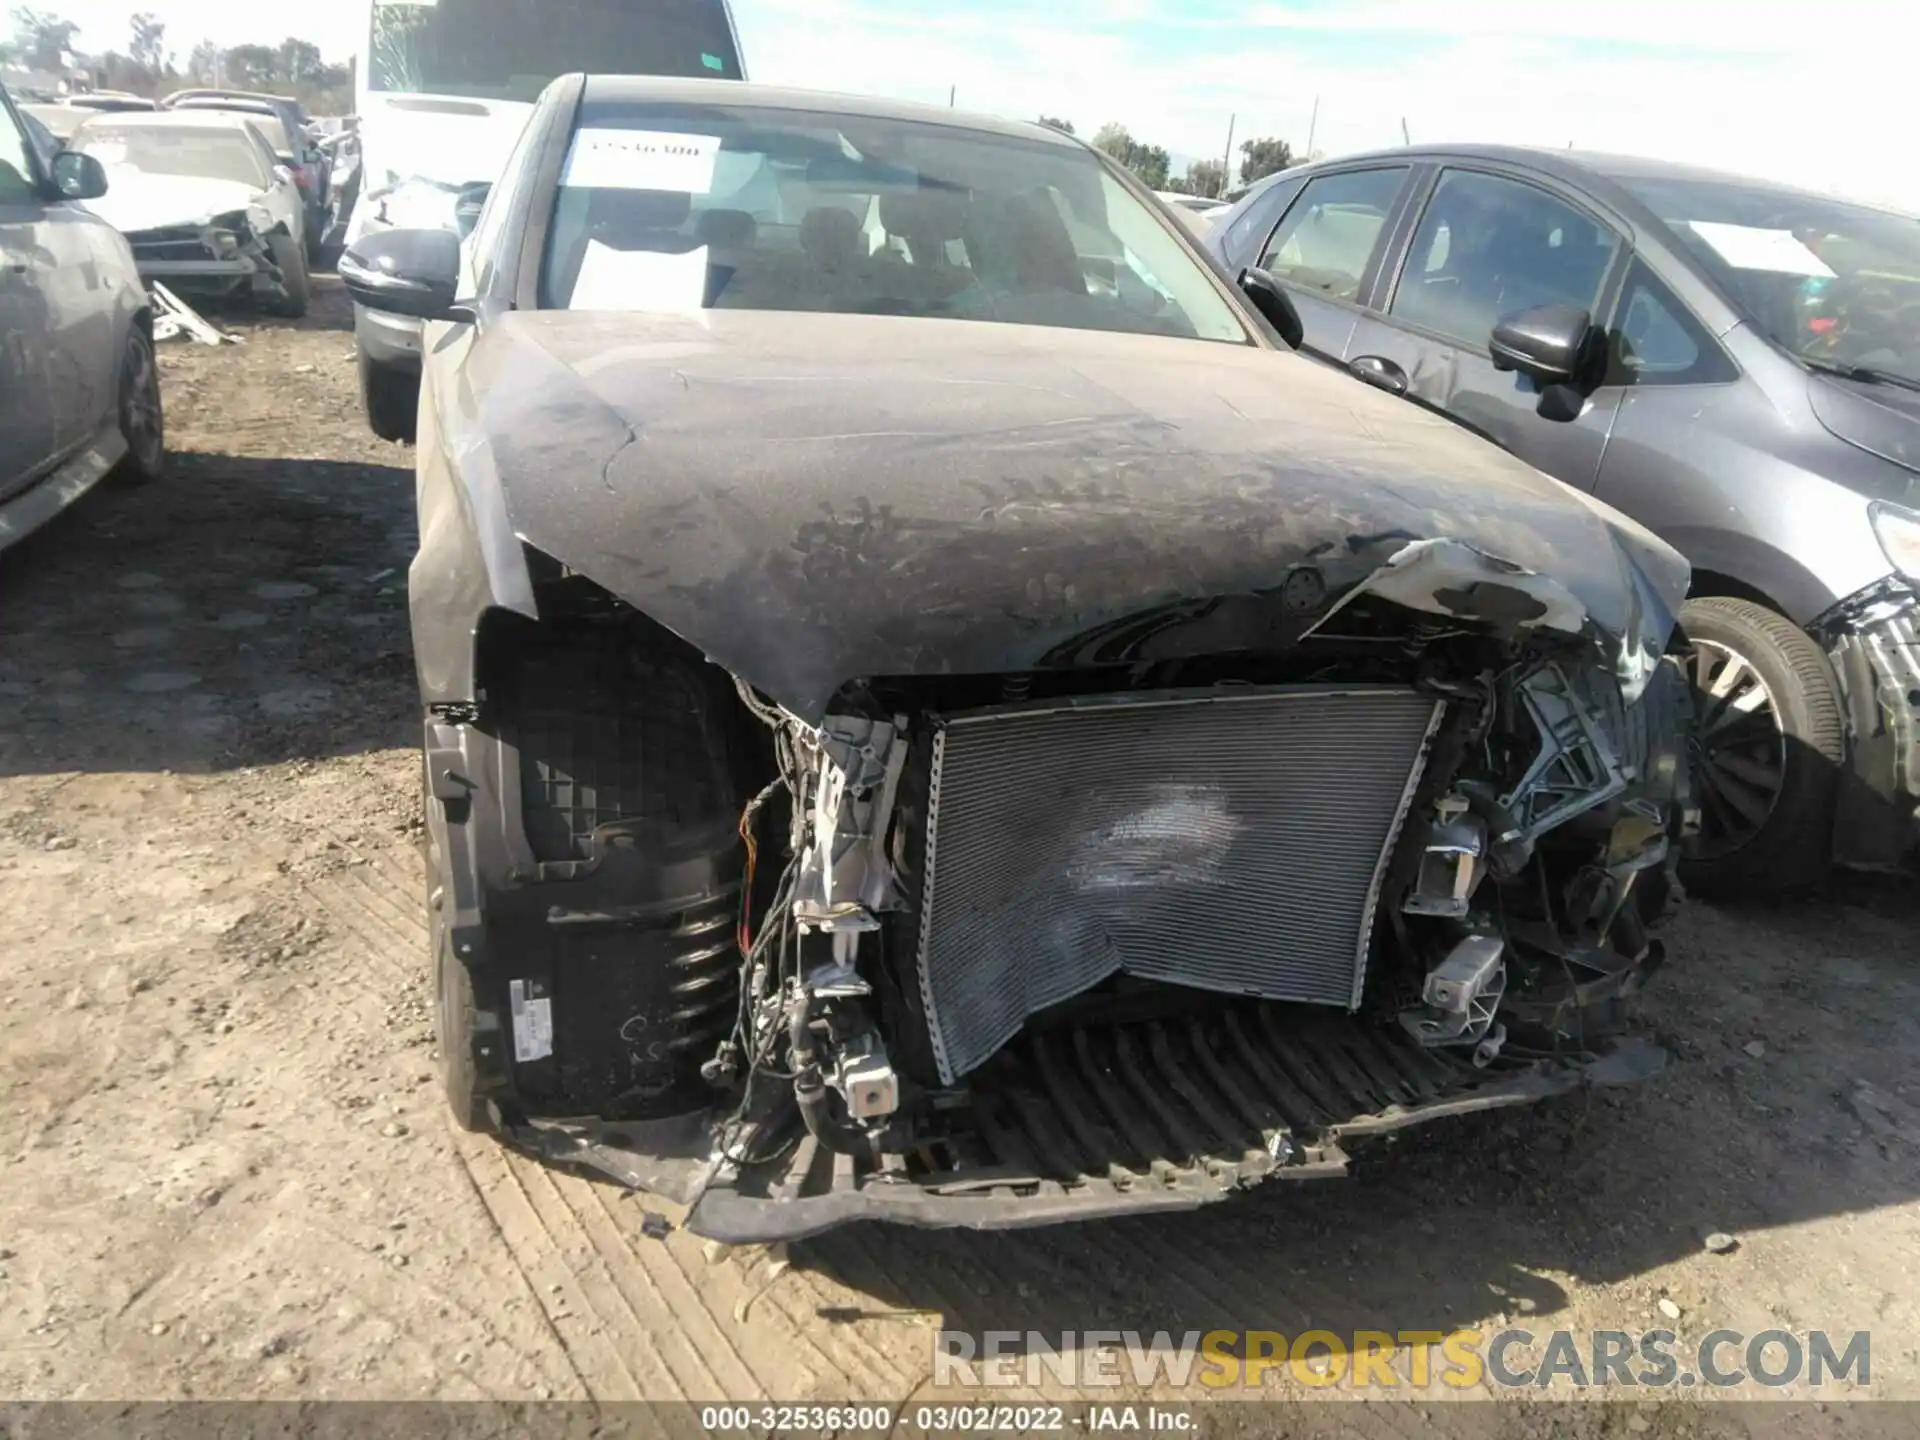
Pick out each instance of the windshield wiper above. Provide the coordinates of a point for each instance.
(1865, 374)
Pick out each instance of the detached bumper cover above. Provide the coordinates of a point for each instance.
(1874, 642)
(1096, 1121)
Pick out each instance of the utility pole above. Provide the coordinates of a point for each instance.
(1312, 125)
(1405, 138)
(1226, 165)
(952, 90)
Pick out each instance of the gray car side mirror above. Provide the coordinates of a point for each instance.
(405, 272)
(1274, 305)
(78, 177)
(1548, 344)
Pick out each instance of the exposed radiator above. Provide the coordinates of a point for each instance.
(1233, 842)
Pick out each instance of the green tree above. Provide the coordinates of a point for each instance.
(41, 40)
(1150, 162)
(149, 47)
(203, 65)
(253, 67)
(1065, 127)
(299, 61)
(1260, 158)
(1206, 177)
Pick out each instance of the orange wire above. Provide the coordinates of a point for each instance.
(745, 936)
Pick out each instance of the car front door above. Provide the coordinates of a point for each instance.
(1489, 245)
(27, 428)
(1326, 249)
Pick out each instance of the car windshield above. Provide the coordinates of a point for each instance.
(1836, 284)
(510, 50)
(665, 208)
(202, 152)
(265, 121)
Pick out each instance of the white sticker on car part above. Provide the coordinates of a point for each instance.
(532, 1023)
(613, 279)
(1747, 247)
(642, 160)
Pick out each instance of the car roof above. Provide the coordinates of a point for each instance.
(245, 103)
(111, 100)
(662, 90)
(1580, 167)
(210, 94)
(49, 113)
(169, 120)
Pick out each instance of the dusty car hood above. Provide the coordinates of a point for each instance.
(138, 201)
(812, 499)
(1881, 419)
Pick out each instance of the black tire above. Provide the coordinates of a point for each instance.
(454, 1022)
(1766, 772)
(142, 419)
(392, 398)
(291, 258)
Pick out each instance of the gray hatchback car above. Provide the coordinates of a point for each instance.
(1734, 364)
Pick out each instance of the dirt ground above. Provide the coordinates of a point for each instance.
(225, 1170)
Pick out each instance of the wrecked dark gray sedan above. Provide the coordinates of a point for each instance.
(932, 713)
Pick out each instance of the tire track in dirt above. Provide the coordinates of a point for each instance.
(636, 1318)
(519, 1229)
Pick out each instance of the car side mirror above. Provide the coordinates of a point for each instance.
(1275, 304)
(78, 177)
(283, 173)
(406, 272)
(1549, 344)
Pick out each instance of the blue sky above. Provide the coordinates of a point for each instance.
(1746, 86)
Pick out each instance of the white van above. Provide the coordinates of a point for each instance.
(445, 88)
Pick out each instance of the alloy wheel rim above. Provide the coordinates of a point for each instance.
(1739, 750)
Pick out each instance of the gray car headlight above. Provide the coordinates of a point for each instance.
(1898, 531)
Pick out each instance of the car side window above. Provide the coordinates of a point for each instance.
(17, 184)
(1656, 340)
(1241, 242)
(1332, 231)
(1488, 246)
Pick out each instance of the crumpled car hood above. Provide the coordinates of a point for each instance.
(812, 499)
(137, 201)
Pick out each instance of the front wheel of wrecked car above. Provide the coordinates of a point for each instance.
(142, 422)
(453, 1029)
(1768, 746)
(290, 257)
(392, 398)
(454, 1018)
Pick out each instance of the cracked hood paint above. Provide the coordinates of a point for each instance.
(812, 499)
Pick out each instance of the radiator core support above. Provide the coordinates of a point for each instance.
(1228, 841)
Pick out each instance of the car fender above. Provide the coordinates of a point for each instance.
(469, 559)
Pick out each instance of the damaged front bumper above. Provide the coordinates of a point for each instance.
(229, 256)
(1095, 1121)
(1873, 640)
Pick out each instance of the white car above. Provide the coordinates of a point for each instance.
(204, 203)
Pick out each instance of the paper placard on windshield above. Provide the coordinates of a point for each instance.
(642, 160)
(1746, 247)
(613, 279)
